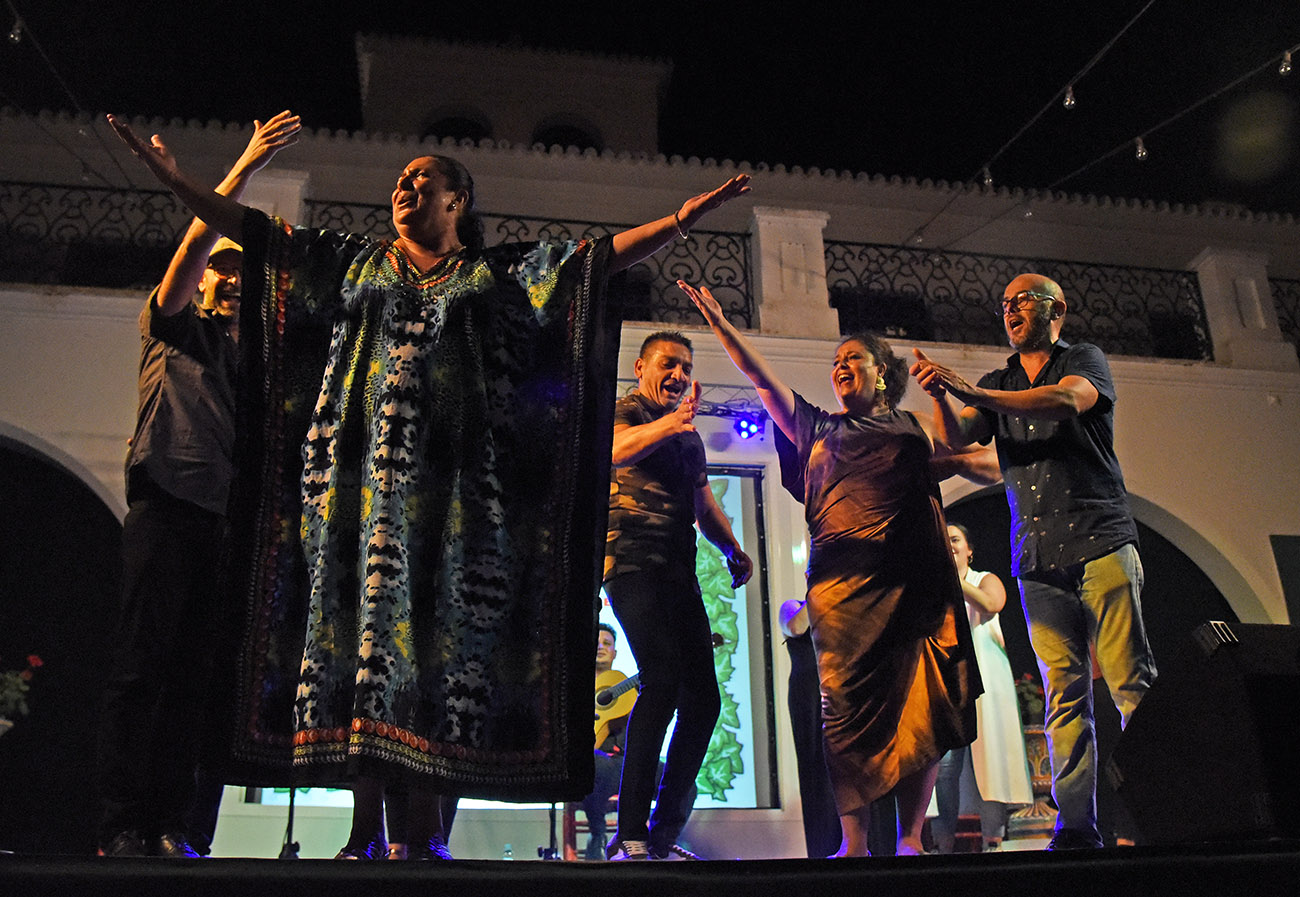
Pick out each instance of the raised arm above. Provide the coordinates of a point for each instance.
(221, 213)
(191, 258)
(776, 397)
(631, 246)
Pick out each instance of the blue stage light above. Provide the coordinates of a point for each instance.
(748, 426)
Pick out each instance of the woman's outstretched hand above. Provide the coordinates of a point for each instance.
(700, 205)
(279, 131)
(154, 153)
(704, 301)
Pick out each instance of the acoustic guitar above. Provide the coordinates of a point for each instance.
(615, 695)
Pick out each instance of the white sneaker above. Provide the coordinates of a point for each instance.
(674, 852)
(627, 850)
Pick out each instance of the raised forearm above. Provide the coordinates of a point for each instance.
(634, 443)
(631, 246)
(776, 397)
(637, 243)
(185, 270)
(953, 428)
(222, 213)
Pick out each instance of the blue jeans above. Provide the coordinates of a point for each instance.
(947, 794)
(1096, 603)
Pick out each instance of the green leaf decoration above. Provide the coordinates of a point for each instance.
(722, 762)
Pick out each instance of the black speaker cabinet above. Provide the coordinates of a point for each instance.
(1213, 751)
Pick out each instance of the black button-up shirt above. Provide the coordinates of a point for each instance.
(1063, 481)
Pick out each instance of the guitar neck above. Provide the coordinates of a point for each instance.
(607, 696)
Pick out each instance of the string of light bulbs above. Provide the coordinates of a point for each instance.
(21, 31)
(86, 168)
(1067, 98)
(1138, 144)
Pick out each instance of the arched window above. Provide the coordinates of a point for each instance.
(566, 134)
(458, 127)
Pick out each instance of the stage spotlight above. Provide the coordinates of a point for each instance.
(748, 426)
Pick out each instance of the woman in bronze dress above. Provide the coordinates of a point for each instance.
(894, 653)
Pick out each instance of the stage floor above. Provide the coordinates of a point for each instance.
(1262, 869)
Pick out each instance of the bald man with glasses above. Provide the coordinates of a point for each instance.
(1074, 545)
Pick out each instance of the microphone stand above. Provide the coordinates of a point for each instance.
(289, 850)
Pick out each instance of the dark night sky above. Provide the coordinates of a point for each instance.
(919, 88)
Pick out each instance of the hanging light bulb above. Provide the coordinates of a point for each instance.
(16, 32)
(987, 178)
(1069, 101)
(1141, 150)
(1285, 68)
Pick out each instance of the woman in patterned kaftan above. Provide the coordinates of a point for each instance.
(894, 654)
(425, 429)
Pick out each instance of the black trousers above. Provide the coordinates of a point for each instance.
(163, 642)
(821, 821)
(668, 631)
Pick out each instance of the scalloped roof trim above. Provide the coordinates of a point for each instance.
(541, 52)
(1215, 210)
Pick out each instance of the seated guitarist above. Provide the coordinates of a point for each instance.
(609, 750)
(615, 695)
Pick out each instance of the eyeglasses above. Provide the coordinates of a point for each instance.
(1024, 297)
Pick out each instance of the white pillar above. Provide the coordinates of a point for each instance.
(790, 273)
(279, 191)
(1240, 312)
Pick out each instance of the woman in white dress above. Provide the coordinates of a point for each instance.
(998, 753)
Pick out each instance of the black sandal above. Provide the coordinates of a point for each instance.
(373, 850)
(436, 849)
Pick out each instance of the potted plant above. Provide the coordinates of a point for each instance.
(14, 685)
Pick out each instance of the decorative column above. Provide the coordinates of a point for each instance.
(790, 276)
(279, 191)
(1239, 308)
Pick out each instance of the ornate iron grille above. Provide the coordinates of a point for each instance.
(93, 236)
(648, 290)
(88, 236)
(952, 297)
(1286, 298)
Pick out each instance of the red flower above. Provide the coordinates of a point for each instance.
(34, 661)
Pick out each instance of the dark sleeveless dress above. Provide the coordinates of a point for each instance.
(894, 652)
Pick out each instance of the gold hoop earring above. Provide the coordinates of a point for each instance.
(881, 385)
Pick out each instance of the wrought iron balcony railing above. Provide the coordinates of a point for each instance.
(1286, 299)
(90, 236)
(952, 297)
